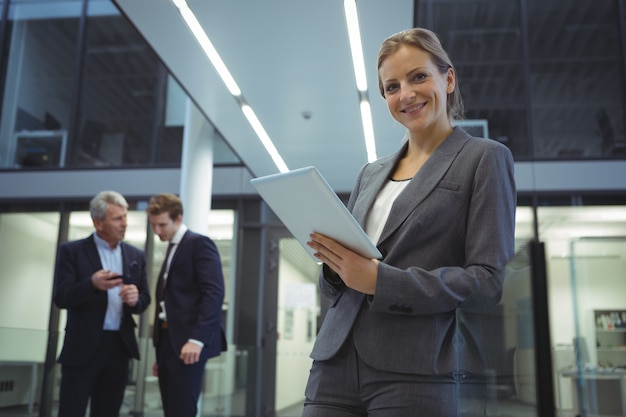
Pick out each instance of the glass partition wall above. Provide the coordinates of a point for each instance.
(40, 67)
(597, 380)
(82, 89)
(585, 263)
(27, 253)
(28, 243)
(523, 65)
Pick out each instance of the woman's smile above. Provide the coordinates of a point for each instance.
(413, 109)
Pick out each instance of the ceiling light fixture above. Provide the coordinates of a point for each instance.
(207, 46)
(368, 130)
(264, 137)
(229, 81)
(354, 33)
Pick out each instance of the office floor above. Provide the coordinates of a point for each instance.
(212, 407)
(235, 406)
(510, 408)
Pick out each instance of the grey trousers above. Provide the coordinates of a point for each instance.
(345, 386)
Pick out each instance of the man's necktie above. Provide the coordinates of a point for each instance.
(160, 289)
(161, 280)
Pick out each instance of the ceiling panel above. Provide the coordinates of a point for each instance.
(289, 58)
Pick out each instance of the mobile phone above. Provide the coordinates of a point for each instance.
(116, 277)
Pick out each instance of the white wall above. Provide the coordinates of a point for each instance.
(27, 256)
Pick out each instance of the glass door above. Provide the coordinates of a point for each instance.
(598, 269)
(298, 309)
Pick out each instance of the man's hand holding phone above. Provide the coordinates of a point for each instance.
(105, 279)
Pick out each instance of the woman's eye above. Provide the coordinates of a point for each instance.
(391, 88)
(419, 77)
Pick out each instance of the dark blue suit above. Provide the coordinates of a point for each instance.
(88, 350)
(193, 296)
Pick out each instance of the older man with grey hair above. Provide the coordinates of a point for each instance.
(101, 281)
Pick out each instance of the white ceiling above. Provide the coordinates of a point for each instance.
(288, 57)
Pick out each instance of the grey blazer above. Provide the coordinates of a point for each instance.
(445, 244)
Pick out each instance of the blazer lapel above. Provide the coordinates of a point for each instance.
(374, 183)
(424, 181)
(91, 251)
(179, 248)
(125, 263)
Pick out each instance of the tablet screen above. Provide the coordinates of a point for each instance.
(305, 203)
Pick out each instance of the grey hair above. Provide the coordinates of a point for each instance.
(98, 204)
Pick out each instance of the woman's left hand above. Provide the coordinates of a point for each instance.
(356, 272)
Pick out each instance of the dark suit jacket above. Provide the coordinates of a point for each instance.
(445, 244)
(193, 295)
(86, 306)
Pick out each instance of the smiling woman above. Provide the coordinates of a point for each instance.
(133, 95)
(441, 210)
(28, 241)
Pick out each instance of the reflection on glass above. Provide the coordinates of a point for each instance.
(39, 76)
(297, 311)
(571, 58)
(225, 381)
(531, 99)
(524, 227)
(484, 40)
(497, 349)
(27, 256)
(598, 267)
(120, 92)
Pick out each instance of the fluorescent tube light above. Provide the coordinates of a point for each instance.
(222, 70)
(265, 139)
(356, 47)
(207, 46)
(368, 130)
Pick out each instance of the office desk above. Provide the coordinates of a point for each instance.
(599, 392)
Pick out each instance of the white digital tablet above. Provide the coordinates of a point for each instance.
(305, 203)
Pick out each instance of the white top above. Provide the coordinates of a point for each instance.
(379, 213)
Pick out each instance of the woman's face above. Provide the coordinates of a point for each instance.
(415, 90)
